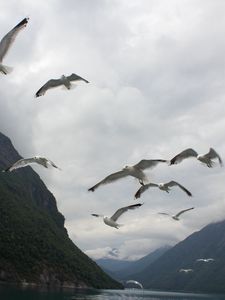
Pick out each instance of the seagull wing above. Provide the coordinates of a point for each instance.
(19, 164)
(174, 183)
(143, 188)
(52, 83)
(182, 155)
(148, 163)
(122, 210)
(183, 211)
(75, 77)
(9, 38)
(110, 178)
(213, 154)
(52, 164)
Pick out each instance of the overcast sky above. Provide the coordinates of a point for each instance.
(157, 86)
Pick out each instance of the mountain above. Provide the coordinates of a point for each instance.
(34, 244)
(112, 265)
(164, 273)
(124, 270)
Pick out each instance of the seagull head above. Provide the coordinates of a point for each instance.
(126, 168)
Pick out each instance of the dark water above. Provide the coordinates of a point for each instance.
(14, 293)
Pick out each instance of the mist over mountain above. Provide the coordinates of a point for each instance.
(34, 244)
(165, 273)
(124, 269)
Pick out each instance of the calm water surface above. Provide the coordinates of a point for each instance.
(14, 293)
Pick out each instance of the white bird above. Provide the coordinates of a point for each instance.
(205, 259)
(63, 80)
(186, 270)
(162, 186)
(176, 217)
(27, 161)
(111, 221)
(7, 42)
(204, 158)
(134, 282)
(135, 171)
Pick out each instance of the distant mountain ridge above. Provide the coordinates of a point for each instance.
(123, 269)
(34, 244)
(164, 273)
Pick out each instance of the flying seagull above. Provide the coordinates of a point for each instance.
(162, 186)
(205, 259)
(7, 42)
(186, 270)
(63, 80)
(176, 217)
(204, 158)
(111, 221)
(27, 161)
(135, 171)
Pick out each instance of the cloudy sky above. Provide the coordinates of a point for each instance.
(157, 86)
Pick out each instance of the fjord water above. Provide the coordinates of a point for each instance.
(14, 293)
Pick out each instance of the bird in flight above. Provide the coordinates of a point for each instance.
(135, 171)
(162, 186)
(186, 270)
(7, 42)
(111, 221)
(65, 81)
(27, 161)
(176, 217)
(203, 158)
(205, 259)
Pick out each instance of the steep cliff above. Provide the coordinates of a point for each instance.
(34, 245)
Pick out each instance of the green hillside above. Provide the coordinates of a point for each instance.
(34, 245)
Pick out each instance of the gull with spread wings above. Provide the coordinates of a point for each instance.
(65, 81)
(203, 158)
(7, 42)
(162, 186)
(111, 221)
(135, 171)
(176, 217)
(27, 161)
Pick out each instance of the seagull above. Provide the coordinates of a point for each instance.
(205, 259)
(63, 80)
(135, 171)
(134, 282)
(176, 217)
(111, 221)
(203, 158)
(162, 186)
(7, 42)
(27, 161)
(186, 270)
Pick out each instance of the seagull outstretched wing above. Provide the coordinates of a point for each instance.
(122, 210)
(174, 183)
(183, 155)
(148, 163)
(19, 164)
(9, 38)
(110, 178)
(75, 77)
(183, 211)
(143, 188)
(52, 83)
